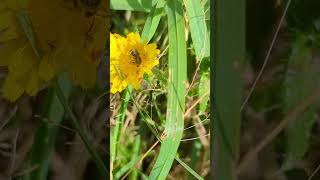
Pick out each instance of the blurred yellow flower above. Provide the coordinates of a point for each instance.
(70, 39)
(130, 59)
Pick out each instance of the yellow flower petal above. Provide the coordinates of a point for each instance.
(34, 84)
(9, 27)
(46, 69)
(12, 90)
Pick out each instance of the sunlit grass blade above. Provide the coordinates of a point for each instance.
(176, 90)
(229, 50)
(115, 132)
(198, 28)
(44, 140)
(299, 82)
(133, 5)
(152, 21)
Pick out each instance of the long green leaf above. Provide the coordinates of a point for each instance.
(229, 50)
(115, 132)
(176, 90)
(198, 28)
(44, 140)
(135, 154)
(133, 5)
(152, 21)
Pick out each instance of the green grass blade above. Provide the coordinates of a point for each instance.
(229, 50)
(104, 172)
(299, 82)
(152, 21)
(29, 32)
(115, 132)
(135, 155)
(198, 28)
(130, 165)
(43, 144)
(190, 170)
(133, 5)
(176, 90)
(195, 155)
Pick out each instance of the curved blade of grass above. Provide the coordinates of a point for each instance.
(190, 170)
(198, 28)
(43, 144)
(146, 119)
(176, 90)
(299, 82)
(133, 5)
(229, 50)
(152, 21)
(115, 132)
(104, 172)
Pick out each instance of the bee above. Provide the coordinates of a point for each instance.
(136, 56)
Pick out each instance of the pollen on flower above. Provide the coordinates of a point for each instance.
(130, 59)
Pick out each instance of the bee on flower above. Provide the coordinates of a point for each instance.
(130, 60)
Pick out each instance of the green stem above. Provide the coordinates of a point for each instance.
(97, 160)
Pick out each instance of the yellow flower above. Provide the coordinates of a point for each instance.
(130, 59)
(70, 40)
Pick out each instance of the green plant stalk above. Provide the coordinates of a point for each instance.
(115, 132)
(176, 91)
(95, 157)
(135, 155)
(229, 51)
(45, 136)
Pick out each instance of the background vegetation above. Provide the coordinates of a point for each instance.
(279, 127)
